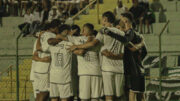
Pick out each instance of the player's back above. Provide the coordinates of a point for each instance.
(61, 61)
(43, 67)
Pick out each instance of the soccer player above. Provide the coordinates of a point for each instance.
(112, 70)
(34, 59)
(89, 71)
(60, 73)
(42, 69)
(134, 70)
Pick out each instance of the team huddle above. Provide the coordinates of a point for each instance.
(108, 61)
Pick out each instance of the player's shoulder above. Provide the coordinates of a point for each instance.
(130, 31)
(65, 43)
(48, 34)
(116, 30)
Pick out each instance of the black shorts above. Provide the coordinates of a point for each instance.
(137, 83)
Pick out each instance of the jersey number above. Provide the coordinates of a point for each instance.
(59, 60)
(86, 57)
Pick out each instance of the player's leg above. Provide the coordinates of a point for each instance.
(137, 86)
(36, 85)
(66, 92)
(119, 86)
(54, 92)
(84, 100)
(96, 88)
(141, 88)
(43, 87)
(109, 85)
(54, 99)
(64, 99)
(140, 97)
(35, 90)
(43, 96)
(132, 96)
(94, 99)
(84, 88)
(126, 87)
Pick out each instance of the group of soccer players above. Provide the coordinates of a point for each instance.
(108, 61)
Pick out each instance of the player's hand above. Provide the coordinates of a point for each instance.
(41, 33)
(72, 48)
(90, 39)
(36, 53)
(60, 37)
(47, 59)
(133, 49)
(104, 30)
(105, 53)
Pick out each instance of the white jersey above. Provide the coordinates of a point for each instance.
(61, 63)
(43, 67)
(112, 45)
(88, 64)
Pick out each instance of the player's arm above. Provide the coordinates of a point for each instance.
(79, 51)
(84, 46)
(37, 58)
(111, 55)
(136, 47)
(124, 39)
(38, 45)
(54, 41)
(90, 38)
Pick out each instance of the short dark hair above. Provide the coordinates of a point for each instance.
(116, 22)
(46, 26)
(95, 32)
(89, 26)
(55, 23)
(77, 28)
(64, 27)
(110, 16)
(129, 16)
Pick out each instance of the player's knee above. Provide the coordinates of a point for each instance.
(109, 98)
(85, 100)
(94, 99)
(54, 99)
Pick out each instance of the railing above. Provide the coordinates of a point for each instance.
(91, 3)
(17, 63)
(9, 71)
(160, 59)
